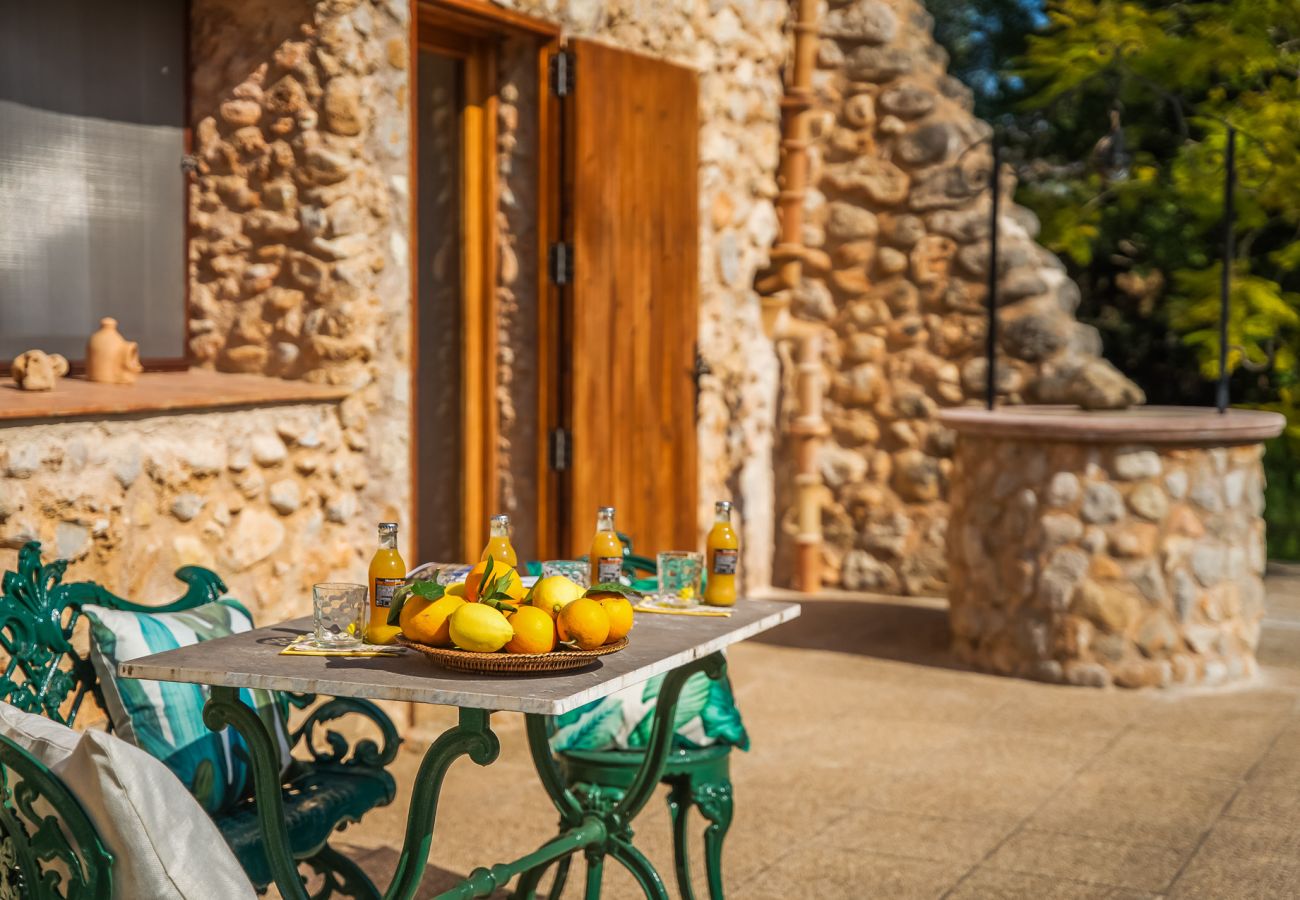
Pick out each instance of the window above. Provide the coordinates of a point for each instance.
(92, 196)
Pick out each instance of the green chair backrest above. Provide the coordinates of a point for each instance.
(48, 845)
(43, 672)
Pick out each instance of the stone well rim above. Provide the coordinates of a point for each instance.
(1183, 425)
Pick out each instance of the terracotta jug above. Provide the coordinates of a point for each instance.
(111, 358)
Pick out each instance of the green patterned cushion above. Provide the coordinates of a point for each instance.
(165, 718)
(706, 715)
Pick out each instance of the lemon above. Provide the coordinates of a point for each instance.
(534, 631)
(479, 628)
(585, 623)
(553, 593)
(456, 589)
(427, 621)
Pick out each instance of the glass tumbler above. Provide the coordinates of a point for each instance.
(572, 569)
(340, 612)
(680, 573)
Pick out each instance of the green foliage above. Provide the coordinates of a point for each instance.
(980, 36)
(429, 590)
(1145, 238)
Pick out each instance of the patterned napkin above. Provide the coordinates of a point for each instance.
(303, 646)
(654, 605)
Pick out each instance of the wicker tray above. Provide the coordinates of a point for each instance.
(511, 663)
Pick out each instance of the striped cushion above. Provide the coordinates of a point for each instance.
(165, 719)
(706, 715)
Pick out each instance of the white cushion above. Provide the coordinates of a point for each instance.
(163, 843)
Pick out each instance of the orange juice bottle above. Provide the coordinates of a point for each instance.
(387, 573)
(724, 551)
(498, 545)
(606, 549)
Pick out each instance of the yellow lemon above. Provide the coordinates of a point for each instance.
(619, 610)
(427, 621)
(585, 623)
(456, 589)
(479, 628)
(534, 631)
(554, 592)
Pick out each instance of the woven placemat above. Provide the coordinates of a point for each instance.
(511, 663)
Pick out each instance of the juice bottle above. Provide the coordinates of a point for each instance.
(387, 572)
(606, 549)
(723, 554)
(498, 545)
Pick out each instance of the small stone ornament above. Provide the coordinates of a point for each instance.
(111, 358)
(37, 370)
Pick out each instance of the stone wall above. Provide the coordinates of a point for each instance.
(517, 261)
(298, 269)
(1134, 565)
(897, 237)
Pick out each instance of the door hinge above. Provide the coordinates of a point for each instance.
(562, 74)
(559, 264)
(561, 449)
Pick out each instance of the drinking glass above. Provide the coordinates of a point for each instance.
(679, 573)
(571, 569)
(340, 612)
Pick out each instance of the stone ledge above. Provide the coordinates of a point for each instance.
(1184, 425)
(196, 389)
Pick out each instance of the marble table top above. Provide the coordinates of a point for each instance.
(658, 643)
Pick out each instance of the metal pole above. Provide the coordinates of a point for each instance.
(991, 347)
(1225, 285)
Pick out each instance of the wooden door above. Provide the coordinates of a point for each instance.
(631, 142)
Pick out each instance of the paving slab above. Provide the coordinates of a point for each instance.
(1127, 864)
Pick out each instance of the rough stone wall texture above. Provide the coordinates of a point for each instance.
(517, 260)
(1133, 565)
(738, 47)
(897, 238)
(298, 268)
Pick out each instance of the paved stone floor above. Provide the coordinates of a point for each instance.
(881, 770)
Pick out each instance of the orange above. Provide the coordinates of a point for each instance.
(428, 621)
(504, 576)
(534, 631)
(619, 610)
(585, 622)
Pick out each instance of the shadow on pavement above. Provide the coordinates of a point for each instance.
(876, 627)
(380, 862)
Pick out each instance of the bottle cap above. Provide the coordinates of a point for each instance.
(604, 510)
(388, 528)
(499, 520)
(722, 506)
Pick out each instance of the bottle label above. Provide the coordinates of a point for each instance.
(608, 569)
(724, 561)
(384, 589)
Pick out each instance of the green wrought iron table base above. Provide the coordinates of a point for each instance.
(599, 824)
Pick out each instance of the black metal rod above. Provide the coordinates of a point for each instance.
(1225, 285)
(991, 345)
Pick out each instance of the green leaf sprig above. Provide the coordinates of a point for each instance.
(613, 587)
(492, 590)
(429, 590)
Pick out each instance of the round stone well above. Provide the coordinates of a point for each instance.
(1100, 548)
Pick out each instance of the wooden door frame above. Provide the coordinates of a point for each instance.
(471, 30)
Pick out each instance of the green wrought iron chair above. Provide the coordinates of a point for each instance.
(699, 778)
(45, 673)
(48, 845)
